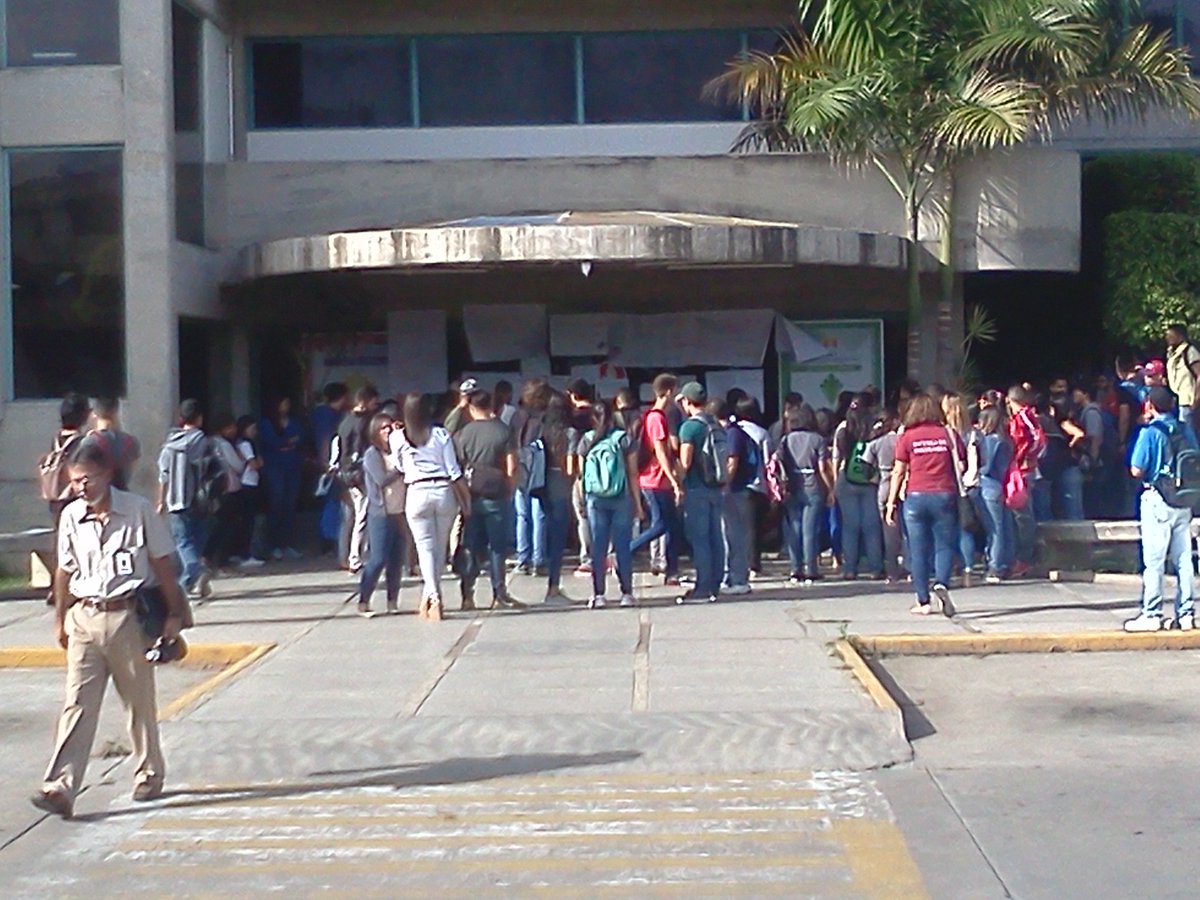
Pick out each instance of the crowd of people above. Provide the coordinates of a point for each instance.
(923, 486)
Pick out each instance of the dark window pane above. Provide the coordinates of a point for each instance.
(765, 40)
(61, 32)
(515, 79)
(342, 83)
(67, 273)
(185, 57)
(655, 77)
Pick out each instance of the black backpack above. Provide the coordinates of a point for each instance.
(1179, 480)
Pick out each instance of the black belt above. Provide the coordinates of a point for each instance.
(436, 480)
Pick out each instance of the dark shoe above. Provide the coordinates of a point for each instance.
(508, 602)
(147, 791)
(54, 802)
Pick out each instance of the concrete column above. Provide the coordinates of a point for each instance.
(239, 371)
(151, 325)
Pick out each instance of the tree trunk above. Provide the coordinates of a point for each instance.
(950, 314)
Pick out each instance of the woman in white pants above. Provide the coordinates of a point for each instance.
(436, 492)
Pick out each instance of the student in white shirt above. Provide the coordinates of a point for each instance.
(436, 492)
(251, 500)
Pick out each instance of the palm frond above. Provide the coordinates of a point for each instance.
(988, 113)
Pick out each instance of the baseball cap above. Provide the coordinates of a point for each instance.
(693, 392)
(469, 386)
(1161, 398)
(1155, 367)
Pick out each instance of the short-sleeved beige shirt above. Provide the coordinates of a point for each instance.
(1180, 379)
(111, 559)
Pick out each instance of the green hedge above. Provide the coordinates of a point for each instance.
(1151, 274)
(1150, 182)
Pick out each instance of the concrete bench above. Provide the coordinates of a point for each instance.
(1092, 546)
(28, 552)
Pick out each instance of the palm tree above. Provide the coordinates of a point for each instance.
(914, 87)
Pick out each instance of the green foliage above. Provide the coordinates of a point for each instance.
(1151, 274)
(1149, 182)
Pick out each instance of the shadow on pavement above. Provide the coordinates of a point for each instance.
(1107, 606)
(460, 770)
(916, 724)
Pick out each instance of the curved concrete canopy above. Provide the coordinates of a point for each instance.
(631, 238)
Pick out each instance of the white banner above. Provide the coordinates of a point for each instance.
(666, 340)
(353, 359)
(720, 382)
(853, 360)
(417, 351)
(505, 331)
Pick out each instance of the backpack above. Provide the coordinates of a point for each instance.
(350, 460)
(714, 453)
(753, 461)
(604, 467)
(1179, 482)
(531, 468)
(858, 470)
(778, 475)
(212, 483)
(53, 479)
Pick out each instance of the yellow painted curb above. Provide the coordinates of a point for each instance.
(986, 644)
(200, 656)
(870, 682)
(254, 653)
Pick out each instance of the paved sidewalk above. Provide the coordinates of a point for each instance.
(495, 748)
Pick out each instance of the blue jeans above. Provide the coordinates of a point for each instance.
(702, 522)
(531, 529)
(283, 494)
(989, 506)
(385, 552)
(664, 520)
(1166, 535)
(611, 522)
(802, 514)
(1024, 530)
(862, 532)
(486, 534)
(190, 532)
(932, 524)
(1068, 494)
(557, 511)
(738, 529)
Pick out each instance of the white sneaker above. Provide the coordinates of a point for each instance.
(558, 598)
(736, 589)
(251, 563)
(203, 587)
(597, 603)
(943, 595)
(1143, 622)
(1187, 623)
(628, 600)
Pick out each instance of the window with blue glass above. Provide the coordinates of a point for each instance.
(655, 77)
(332, 83)
(67, 263)
(61, 32)
(497, 79)
(494, 79)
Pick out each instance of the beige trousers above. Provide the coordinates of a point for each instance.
(101, 644)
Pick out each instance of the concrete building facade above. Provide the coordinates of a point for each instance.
(151, 147)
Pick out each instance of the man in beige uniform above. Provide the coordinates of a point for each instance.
(110, 544)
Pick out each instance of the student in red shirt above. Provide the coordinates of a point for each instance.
(925, 460)
(662, 491)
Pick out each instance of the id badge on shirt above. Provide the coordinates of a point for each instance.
(123, 563)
